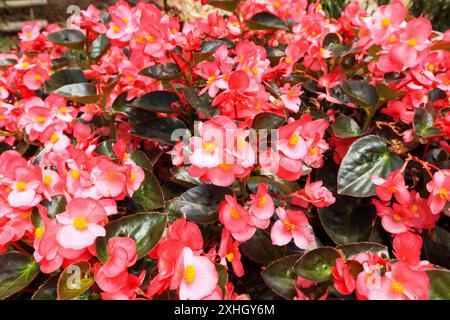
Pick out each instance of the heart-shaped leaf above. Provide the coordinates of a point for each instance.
(346, 127)
(145, 228)
(7, 62)
(160, 129)
(423, 123)
(361, 93)
(227, 5)
(200, 204)
(201, 103)
(75, 280)
(437, 247)
(99, 46)
(387, 93)
(16, 272)
(71, 38)
(280, 276)
(366, 157)
(79, 92)
(165, 71)
(64, 77)
(265, 21)
(260, 248)
(352, 249)
(149, 196)
(157, 101)
(207, 49)
(48, 290)
(316, 265)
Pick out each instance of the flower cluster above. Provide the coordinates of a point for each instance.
(164, 159)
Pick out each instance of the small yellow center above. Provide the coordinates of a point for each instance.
(225, 166)
(75, 174)
(386, 22)
(255, 71)
(322, 51)
(412, 42)
(28, 35)
(150, 38)
(132, 176)
(414, 208)
(397, 217)
(25, 64)
(116, 28)
(313, 151)
(41, 119)
(288, 60)
(262, 201)
(230, 256)
(443, 193)
(37, 77)
(63, 109)
(210, 79)
(235, 23)
(293, 140)
(392, 38)
(54, 138)
(289, 226)
(235, 214)
(430, 67)
(189, 273)
(125, 19)
(111, 175)
(21, 186)
(209, 146)
(47, 180)
(39, 232)
(80, 223)
(276, 4)
(397, 287)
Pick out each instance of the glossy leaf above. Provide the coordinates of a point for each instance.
(423, 123)
(346, 127)
(75, 280)
(47, 290)
(71, 38)
(267, 120)
(16, 272)
(387, 93)
(227, 5)
(361, 93)
(99, 46)
(437, 247)
(64, 77)
(157, 101)
(166, 71)
(158, 129)
(439, 284)
(265, 21)
(352, 249)
(366, 157)
(149, 196)
(280, 276)
(316, 265)
(145, 228)
(80, 92)
(260, 248)
(200, 103)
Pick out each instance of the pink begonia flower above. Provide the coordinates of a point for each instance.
(229, 251)
(291, 97)
(343, 280)
(199, 276)
(113, 275)
(290, 141)
(439, 189)
(35, 77)
(236, 219)
(25, 187)
(80, 223)
(291, 224)
(407, 248)
(393, 185)
(261, 203)
(30, 31)
(128, 290)
(313, 193)
(401, 283)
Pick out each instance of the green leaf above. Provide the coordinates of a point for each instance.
(79, 92)
(347, 220)
(200, 103)
(165, 71)
(275, 184)
(280, 276)
(7, 62)
(99, 46)
(141, 159)
(157, 101)
(106, 149)
(48, 290)
(207, 49)
(159, 129)
(181, 176)
(316, 265)
(71, 38)
(16, 272)
(56, 206)
(387, 93)
(222, 271)
(266, 21)
(352, 249)
(346, 127)
(75, 280)
(366, 157)
(441, 45)
(146, 229)
(64, 77)
(120, 102)
(149, 196)
(200, 204)
(227, 5)
(332, 42)
(423, 123)
(267, 120)
(361, 93)
(260, 249)
(439, 284)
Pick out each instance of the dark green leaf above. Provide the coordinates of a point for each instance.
(159, 129)
(200, 204)
(260, 248)
(436, 94)
(99, 46)
(267, 120)
(423, 123)
(106, 149)
(280, 276)
(166, 71)
(48, 290)
(141, 159)
(387, 93)
(207, 49)
(145, 228)
(157, 101)
(222, 271)
(56, 206)
(7, 62)
(361, 93)
(441, 45)
(64, 77)
(70, 38)
(80, 92)
(227, 5)
(316, 265)
(437, 247)
(275, 184)
(75, 280)
(346, 127)
(149, 196)
(352, 249)
(200, 103)
(366, 157)
(16, 272)
(265, 21)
